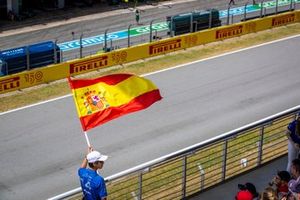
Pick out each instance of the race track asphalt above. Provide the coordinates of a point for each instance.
(42, 146)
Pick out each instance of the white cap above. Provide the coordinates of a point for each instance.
(96, 156)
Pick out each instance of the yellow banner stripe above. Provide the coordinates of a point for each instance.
(110, 95)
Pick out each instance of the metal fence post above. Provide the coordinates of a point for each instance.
(291, 5)
(196, 25)
(184, 166)
(260, 145)
(27, 58)
(191, 22)
(3, 65)
(105, 40)
(111, 45)
(224, 160)
(228, 14)
(210, 18)
(140, 186)
(261, 8)
(61, 56)
(55, 51)
(151, 37)
(171, 27)
(276, 8)
(6, 67)
(128, 45)
(202, 176)
(80, 42)
(245, 11)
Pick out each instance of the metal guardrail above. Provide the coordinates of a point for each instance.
(111, 44)
(200, 166)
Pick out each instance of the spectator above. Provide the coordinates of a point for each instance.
(294, 184)
(137, 16)
(92, 184)
(291, 196)
(73, 35)
(157, 37)
(268, 194)
(244, 195)
(247, 192)
(231, 2)
(293, 134)
(281, 183)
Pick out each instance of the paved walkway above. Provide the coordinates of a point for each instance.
(59, 15)
(260, 178)
(44, 19)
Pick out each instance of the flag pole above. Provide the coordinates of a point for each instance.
(85, 133)
(87, 139)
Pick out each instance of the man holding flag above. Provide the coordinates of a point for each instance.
(99, 101)
(92, 184)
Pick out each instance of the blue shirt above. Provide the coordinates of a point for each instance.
(93, 185)
(292, 128)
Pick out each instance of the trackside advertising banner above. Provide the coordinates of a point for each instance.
(97, 62)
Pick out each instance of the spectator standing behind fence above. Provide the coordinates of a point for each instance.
(280, 181)
(268, 194)
(231, 2)
(247, 192)
(92, 184)
(137, 16)
(294, 183)
(293, 134)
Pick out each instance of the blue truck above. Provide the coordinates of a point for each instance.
(28, 57)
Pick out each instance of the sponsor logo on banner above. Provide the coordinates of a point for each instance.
(191, 40)
(283, 20)
(229, 32)
(9, 84)
(119, 57)
(34, 77)
(250, 27)
(88, 65)
(165, 47)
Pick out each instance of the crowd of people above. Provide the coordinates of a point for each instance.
(286, 184)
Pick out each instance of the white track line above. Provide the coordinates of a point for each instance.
(178, 66)
(36, 104)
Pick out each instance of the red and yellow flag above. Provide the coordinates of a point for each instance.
(103, 99)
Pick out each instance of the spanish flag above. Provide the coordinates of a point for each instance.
(105, 98)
